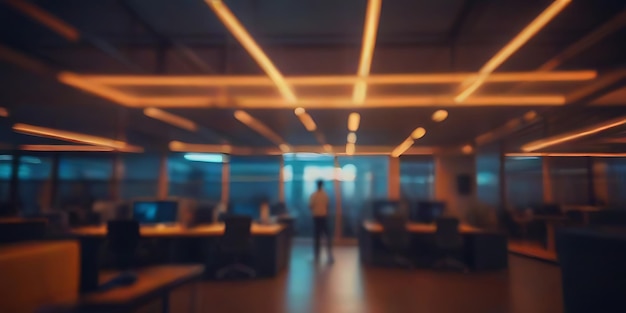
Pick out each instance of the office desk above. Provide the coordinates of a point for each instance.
(376, 227)
(482, 249)
(173, 231)
(176, 245)
(551, 223)
(157, 289)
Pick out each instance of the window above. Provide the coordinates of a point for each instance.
(84, 179)
(570, 180)
(6, 160)
(300, 174)
(524, 181)
(197, 176)
(253, 179)
(417, 176)
(141, 175)
(34, 183)
(365, 180)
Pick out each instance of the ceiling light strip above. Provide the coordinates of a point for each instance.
(171, 119)
(407, 101)
(528, 32)
(370, 29)
(52, 22)
(567, 154)
(190, 147)
(238, 31)
(74, 137)
(66, 148)
(554, 140)
(103, 91)
(354, 119)
(335, 80)
(261, 128)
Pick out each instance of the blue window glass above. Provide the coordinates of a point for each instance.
(34, 183)
(253, 179)
(524, 181)
(300, 175)
(141, 175)
(417, 176)
(197, 176)
(362, 180)
(84, 179)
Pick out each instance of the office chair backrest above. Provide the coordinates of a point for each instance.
(395, 235)
(18, 229)
(447, 234)
(237, 233)
(123, 235)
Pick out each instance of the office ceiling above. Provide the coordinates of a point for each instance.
(305, 38)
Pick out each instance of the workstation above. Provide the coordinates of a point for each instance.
(304, 156)
(425, 237)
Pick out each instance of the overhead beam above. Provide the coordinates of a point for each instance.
(606, 83)
(182, 50)
(511, 47)
(69, 32)
(370, 30)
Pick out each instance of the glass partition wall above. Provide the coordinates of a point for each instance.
(60, 180)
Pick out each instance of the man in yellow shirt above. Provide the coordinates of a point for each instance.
(319, 209)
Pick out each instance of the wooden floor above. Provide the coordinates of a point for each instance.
(528, 286)
(532, 249)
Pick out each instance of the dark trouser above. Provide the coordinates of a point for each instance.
(321, 226)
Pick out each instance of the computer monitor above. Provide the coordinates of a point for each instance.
(155, 212)
(385, 208)
(247, 209)
(427, 211)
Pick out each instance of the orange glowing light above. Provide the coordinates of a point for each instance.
(400, 149)
(334, 80)
(238, 31)
(467, 149)
(260, 128)
(73, 137)
(440, 115)
(370, 29)
(4, 112)
(350, 148)
(418, 133)
(103, 91)
(528, 32)
(171, 119)
(67, 148)
(547, 142)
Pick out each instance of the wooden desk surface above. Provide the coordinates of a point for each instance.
(179, 231)
(376, 227)
(151, 281)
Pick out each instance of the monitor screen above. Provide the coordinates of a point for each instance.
(427, 211)
(386, 208)
(154, 212)
(246, 209)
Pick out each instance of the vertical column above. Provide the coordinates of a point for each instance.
(225, 182)
(281, 181)
(590, 181)
(548, 196)
(115, 189)
(338, 211)
(14, 193)
(504, 201)
(163, 180)
(49, 194)
(393, 183)
(600, 170)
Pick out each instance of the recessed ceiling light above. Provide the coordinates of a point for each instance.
(467, 149)
(352, 137)
(418, 133)
(440, 115)
(354, 119)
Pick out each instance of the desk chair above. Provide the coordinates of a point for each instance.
(123, 239)
(22, 230)
(449, 244)
(397, 240)
(236, 245)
